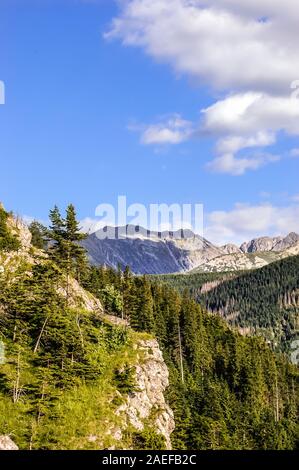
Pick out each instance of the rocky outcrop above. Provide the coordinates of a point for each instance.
(234, 262)
(289, 241)
(270, 244)
(20, 229)
(230, 248)
(79, 297)
(147, 402)
(6, 443)
(10, 261)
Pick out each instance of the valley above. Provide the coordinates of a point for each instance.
(100, 358)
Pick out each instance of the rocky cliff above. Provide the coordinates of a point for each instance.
(182, 251)
(149, 252)
(147, 405)
(144, 408)
(276, 244)
(6, 443)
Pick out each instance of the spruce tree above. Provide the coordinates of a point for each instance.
(39, 235)
(56, 235)
(65, 250)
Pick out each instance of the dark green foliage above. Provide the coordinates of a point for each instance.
(266, 300)
(193, 283)
(227, 391)
(124, 379)
(8, 241)
(148, 440)
(51, 350)
(64, 248)
(39, 235)
(112, 299)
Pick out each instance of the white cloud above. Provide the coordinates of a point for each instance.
(229, 163)
(90, 225)
(234, 143)
(28, 219)
(241, 223)
(248, 120)
(245, 222)
(294, 153)
(247, 49)
(228, 43)
(172, 131)
(248, 113)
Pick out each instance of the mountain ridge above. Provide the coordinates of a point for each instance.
(165, 252)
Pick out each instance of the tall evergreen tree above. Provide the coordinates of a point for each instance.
(76, 254)
(65, 235)
(56, 235)
(39, 235)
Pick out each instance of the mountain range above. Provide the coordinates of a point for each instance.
(149, 252)
(96, 360)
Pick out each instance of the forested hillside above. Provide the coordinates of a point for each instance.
(194, 283)
(227, 391)
(263, 301)
(67, 370)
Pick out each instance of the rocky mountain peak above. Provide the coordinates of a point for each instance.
(270, 243)
(230, 248)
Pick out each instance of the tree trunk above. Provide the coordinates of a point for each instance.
(40, 335)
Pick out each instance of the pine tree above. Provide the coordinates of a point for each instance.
(39, 235)
(65, 249)
(56, 235)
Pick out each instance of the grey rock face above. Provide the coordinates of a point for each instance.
(151, 383)
(270, 244)
(230, 248)
(290, 240)
(6, 443)
(182, 251)
(149, 253)
(20, 229)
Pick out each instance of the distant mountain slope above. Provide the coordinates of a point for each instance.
(181, 251)
(92, 375)
(149, 253)
(245, 261)
(264, 301)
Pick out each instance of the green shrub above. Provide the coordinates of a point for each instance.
(148, 439)
(8, 241)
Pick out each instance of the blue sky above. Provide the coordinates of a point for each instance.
(91, 113)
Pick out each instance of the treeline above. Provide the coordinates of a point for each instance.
(227, 391)
(63, 371)
(265, 299)
(193, 283)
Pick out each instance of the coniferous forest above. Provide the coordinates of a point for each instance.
(264, 300)
(149, 232)
(67, 369)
